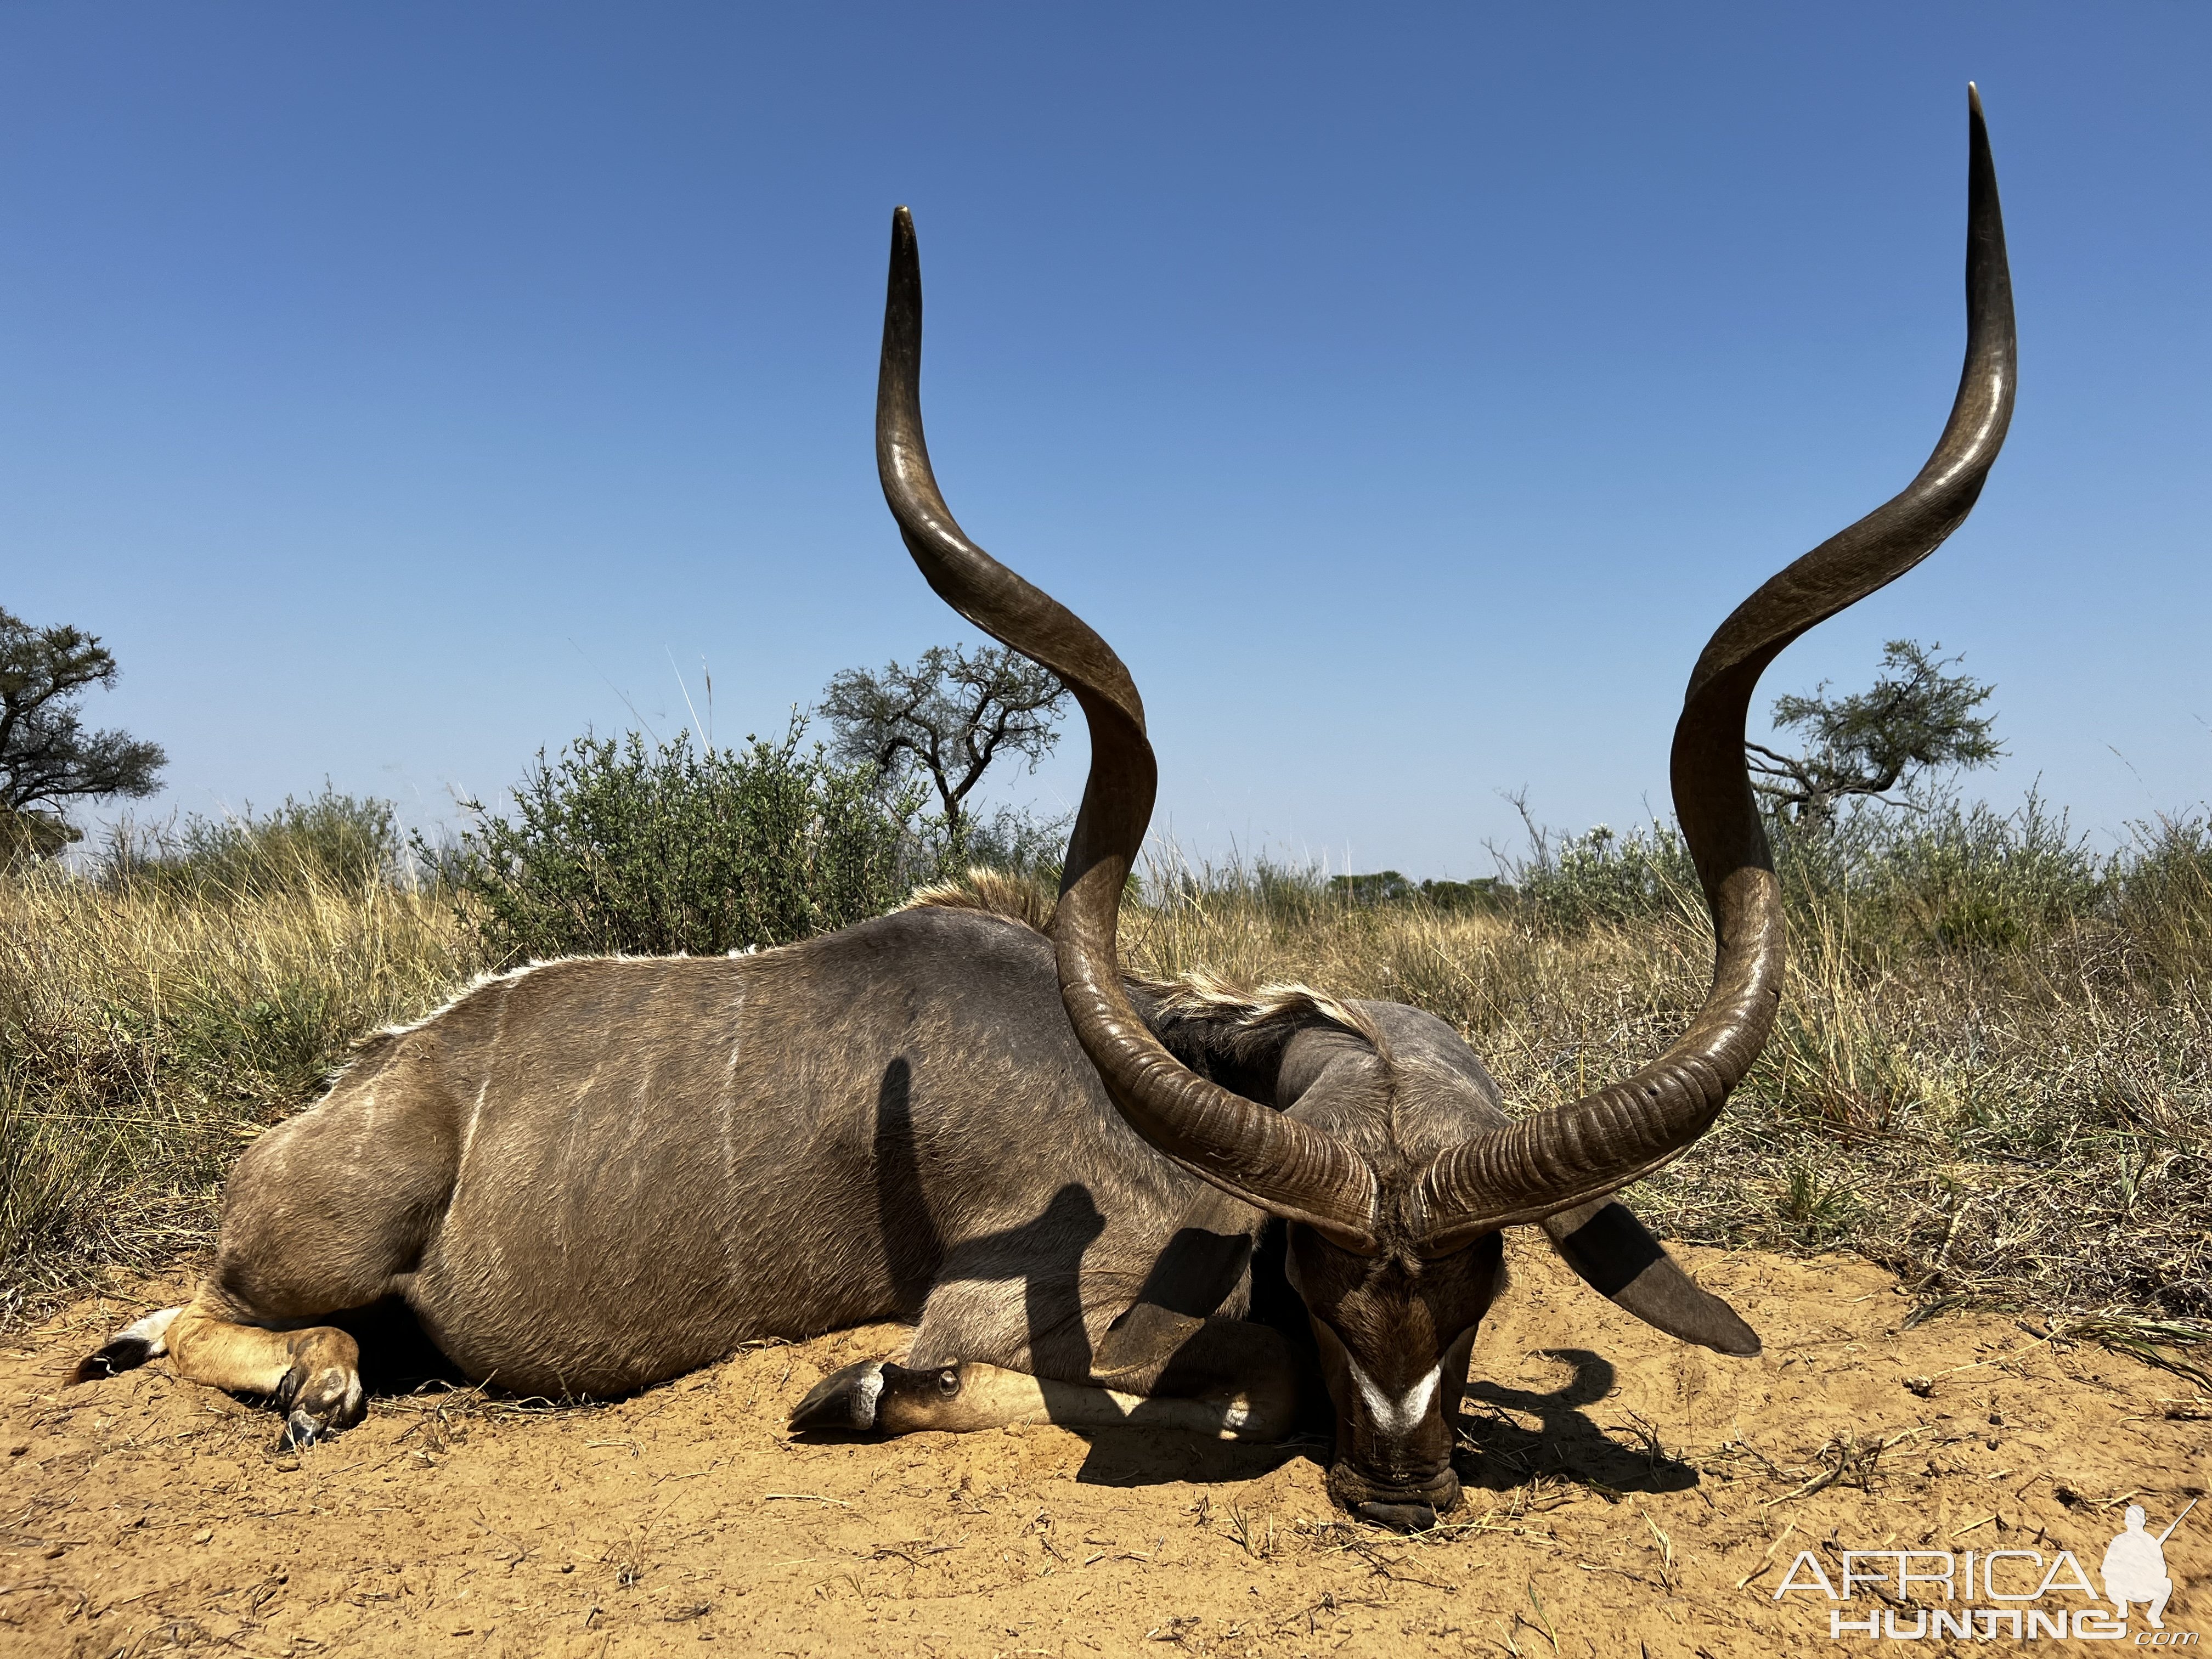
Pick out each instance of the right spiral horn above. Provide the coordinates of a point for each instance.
(1569, 1155)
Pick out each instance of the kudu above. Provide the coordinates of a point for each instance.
(1087, 1191)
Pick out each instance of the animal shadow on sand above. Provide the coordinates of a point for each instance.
(1045, 1255)
(1499, 1454)
(397, 1355)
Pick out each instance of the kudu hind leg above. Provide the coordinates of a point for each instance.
(312, 1374)
(140, 1341)
(327, 1212)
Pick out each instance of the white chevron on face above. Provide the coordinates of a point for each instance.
(1403, 1414)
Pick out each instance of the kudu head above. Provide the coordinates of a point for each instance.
(1393, 1246)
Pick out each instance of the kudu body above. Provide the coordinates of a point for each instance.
(1099, 1199)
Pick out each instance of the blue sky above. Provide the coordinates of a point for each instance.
(1404, 392)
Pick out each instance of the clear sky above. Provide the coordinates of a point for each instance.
(1404, 392)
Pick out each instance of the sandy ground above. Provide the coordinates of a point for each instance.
(1626, 1496)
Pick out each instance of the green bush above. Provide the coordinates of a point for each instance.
(2162, 896)
(1383, 887)
(1962, 878)
(1388, 887)
(1011, 838)
(1600, 876)
(615, 846)
(329, 838)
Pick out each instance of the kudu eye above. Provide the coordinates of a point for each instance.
(948, 1382)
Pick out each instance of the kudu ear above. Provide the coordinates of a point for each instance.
(1610, 1249)
(1210, 1252)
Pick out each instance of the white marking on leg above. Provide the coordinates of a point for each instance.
(870, 1387)
(1403, 1414)
(153, 1330)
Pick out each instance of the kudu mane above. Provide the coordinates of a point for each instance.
(1195, 997)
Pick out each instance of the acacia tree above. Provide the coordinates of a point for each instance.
(48, 761)
(1916, 718)
(950, 716)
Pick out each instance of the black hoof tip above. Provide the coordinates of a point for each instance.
(1398, 1518)
(843, 1402)
(125, 1353)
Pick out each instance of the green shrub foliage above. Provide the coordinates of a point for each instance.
(618, 846)
(1388, 887)
(330, 838)
(1956, 877)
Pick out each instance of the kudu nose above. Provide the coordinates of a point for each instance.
(1398, 1518)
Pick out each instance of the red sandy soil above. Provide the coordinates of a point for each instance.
(1630, 1496)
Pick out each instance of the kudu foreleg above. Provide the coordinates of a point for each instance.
(1230, 1380)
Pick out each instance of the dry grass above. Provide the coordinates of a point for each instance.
(2028, 1126)
(148, 1030)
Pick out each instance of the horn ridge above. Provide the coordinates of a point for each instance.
(1569, 1155)
(1272, 1162)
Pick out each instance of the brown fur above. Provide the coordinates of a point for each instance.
(591, 1175)
(962, 1398)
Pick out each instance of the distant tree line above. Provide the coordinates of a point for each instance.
(1388, 887)
(617, 844)
(1917, 724)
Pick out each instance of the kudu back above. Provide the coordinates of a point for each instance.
(1099, 1199)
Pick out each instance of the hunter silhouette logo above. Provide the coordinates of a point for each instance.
(2134, 1567)
(2025, 1591)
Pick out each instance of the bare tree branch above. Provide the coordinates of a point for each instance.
(951, 715)
(1915, 719)
(47, 759)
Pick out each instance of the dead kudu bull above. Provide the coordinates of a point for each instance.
(593, 1175)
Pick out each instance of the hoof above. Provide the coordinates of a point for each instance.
(321, 1404)
(129, 1348)
(843, 1402)
(1398, 1518)
(124, 1353)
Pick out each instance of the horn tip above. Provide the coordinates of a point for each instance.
(905, 250)
(1974, 103)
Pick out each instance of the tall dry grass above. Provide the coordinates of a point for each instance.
(2014, 1114)
(150, 1027)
